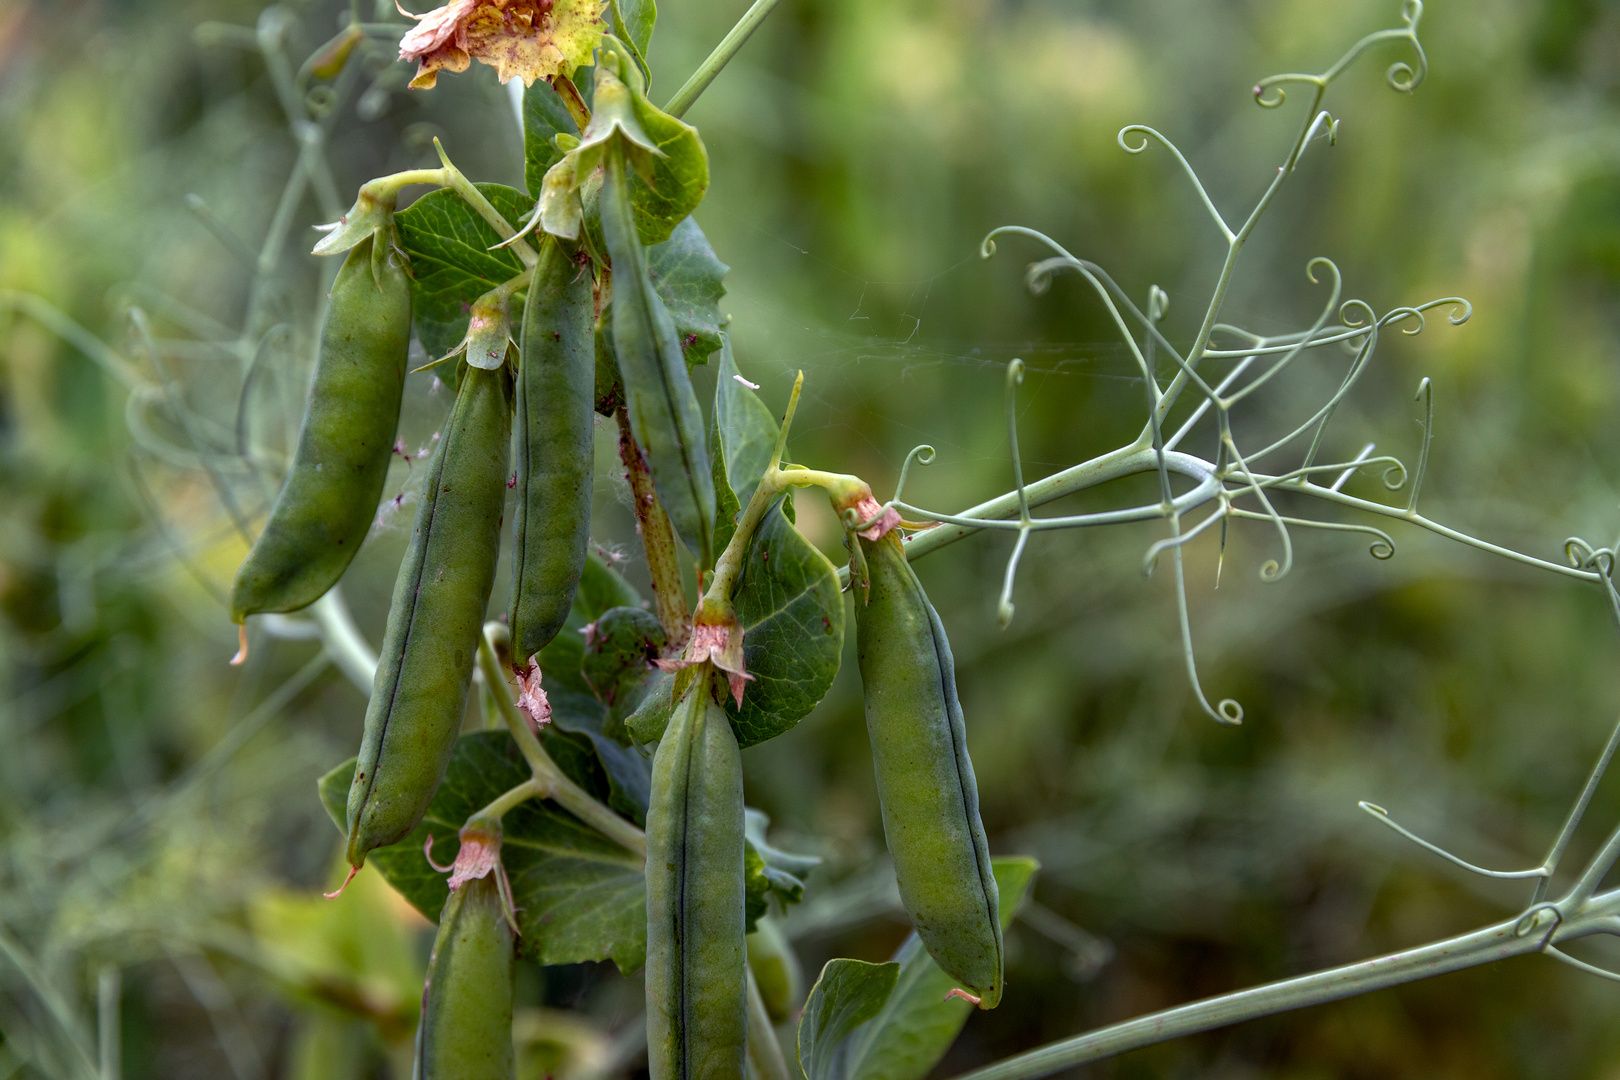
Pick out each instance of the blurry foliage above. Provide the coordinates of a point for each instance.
(860, 151)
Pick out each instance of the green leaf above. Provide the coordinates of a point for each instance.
(579, 895)
(647, 723)
(679, 178)
(544, 116)
(848, 993)
(628, 775)
(689, 279)
(756, 822)
(619, 652)
(726, 506)
(917, 1024)
(634, 19)
(451, 264)
(792, 614)
(747, 429)
(770, 871)
(600, 588)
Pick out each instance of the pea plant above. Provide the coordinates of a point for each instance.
(597, 813)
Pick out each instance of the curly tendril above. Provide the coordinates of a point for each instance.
(1401, 75)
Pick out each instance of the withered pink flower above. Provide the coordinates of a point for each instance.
(479, 856)
(869, 508)
(480, 853)
(717, 639)
(529, 39)
(438, 40)
(531, 698)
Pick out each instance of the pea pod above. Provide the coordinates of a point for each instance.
(696, 959)
(663, 408)
(924, 778)
(776, 969)
(556, 386)
(431, 639)
(329, 499)
(466, 1027)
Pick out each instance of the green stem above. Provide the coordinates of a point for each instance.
(554, 784)
(1452, 954)
(775, 481)
(723, 52)
(531, 788)
(475, 199)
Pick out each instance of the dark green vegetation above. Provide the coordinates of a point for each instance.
(866, 149)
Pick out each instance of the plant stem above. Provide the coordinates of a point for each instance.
(1453, 954)
(553, 782)
(343, 641)
(531, 788)
(723, 52)
(475, 199)
(657, 538)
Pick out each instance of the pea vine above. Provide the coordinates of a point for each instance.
(598, 814)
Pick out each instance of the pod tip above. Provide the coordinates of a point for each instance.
(958, 992)
(241, 646)
(353, 870)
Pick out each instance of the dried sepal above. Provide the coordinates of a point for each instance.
(531, 698)
(717, 638)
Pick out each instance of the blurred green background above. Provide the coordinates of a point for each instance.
(161, 847)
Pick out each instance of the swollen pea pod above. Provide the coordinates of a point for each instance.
(696, 959)
(431, 641)
(664, 413)
(924, 778)
(466, 1027)
(330, 496)
(556, 386)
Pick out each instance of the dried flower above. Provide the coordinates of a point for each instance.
(529, 39)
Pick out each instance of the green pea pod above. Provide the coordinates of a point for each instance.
(664, 413)
(431, 641)
(924, 778)
(466, 1027)
(555, 422)
(776, 969)
(696, 958)
(331, 493)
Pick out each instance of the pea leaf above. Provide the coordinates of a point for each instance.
(635, 18)
(726, 506)
(848, 993)
(619, 652)
(628, 775)
(768, 870)
(451, 264)
(747, 429)
(600, 589)
(917, 1024)
(579, 895)
(651, 716)
(688, 278)
(679, 178)
(792, 615)
(544, 115)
